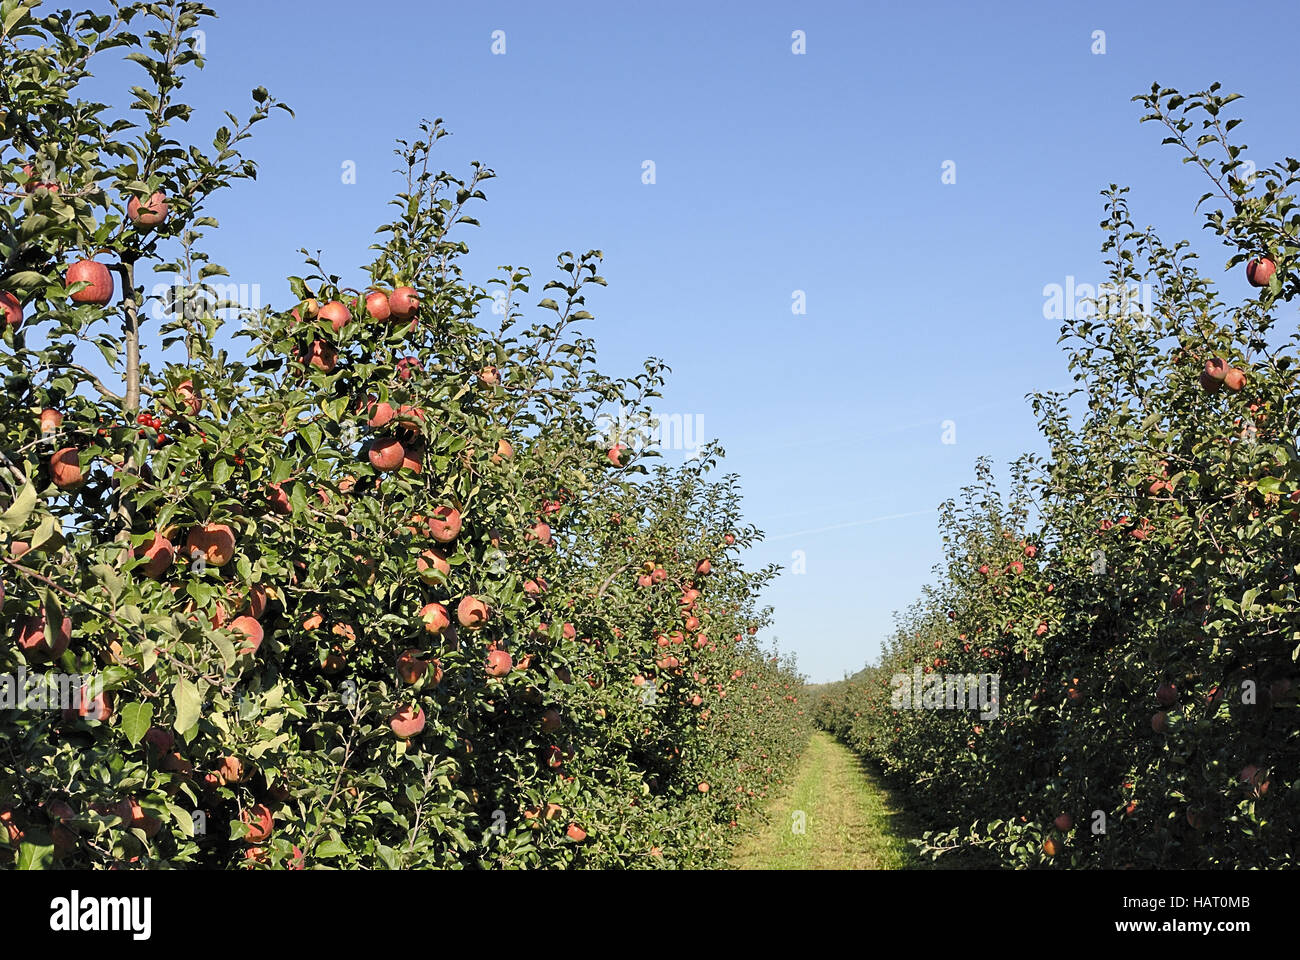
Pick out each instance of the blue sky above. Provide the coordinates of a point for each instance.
(775, 173)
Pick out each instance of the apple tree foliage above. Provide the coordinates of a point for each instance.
(365, 587)
(1135, 592)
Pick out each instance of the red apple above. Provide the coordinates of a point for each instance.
(159, 554)
(65, 468)
(98, 707)
(499, 663)
(404, 302)
(10, 309)
(278, 498)
(150, 213)
(1213, 375)
(32, 642)
(432, 566)
(337, 314)
(435, 618)
(185, 389)
(407, 722)
(472, 613)
(412, 418)
(251, 629)
(444, 525)
(1259, 271)
(377, 305)
(411, 667)
(386, 454)
(1166, 694)
(100, 290)
(323, 356)
(213, 541)
(260, 822)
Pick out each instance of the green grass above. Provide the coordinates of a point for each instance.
(850, 821)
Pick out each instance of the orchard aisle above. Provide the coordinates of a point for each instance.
(848, 821)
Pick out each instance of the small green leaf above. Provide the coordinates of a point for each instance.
(330, 848)
(37, 855)
(20, 511)
(188, 705)
(137, 718)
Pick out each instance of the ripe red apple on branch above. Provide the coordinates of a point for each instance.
(215, 542)
(337, 314)
(99, 289)
(1259, 271)
(407, 722)
(149, 214)
(11, 310)
(403, 303)
(377, 305)
(1212, 377)
(65, 468)
(499, 663)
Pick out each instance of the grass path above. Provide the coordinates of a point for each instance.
(850, 822)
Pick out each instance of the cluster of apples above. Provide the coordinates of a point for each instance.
(66, 470)
(1218, 373)
(98, 289)
(401, 304)
(472, 613)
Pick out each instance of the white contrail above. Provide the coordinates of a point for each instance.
(851, 523)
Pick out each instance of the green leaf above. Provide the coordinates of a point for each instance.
(330, 848)
(1269, 485)
(109, 577)
(188, 705)
(25, 279)
(47, 536)
(14, 16)
(20, 511)
(37, 855)
(222, 470)
(184, 819)
(137, 718)
(225, 647)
